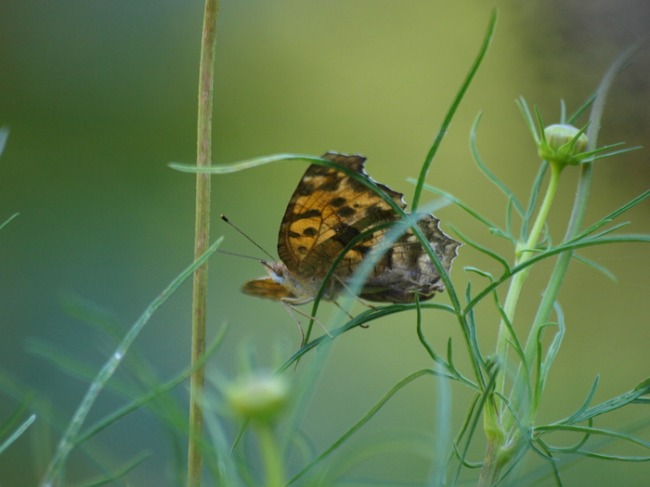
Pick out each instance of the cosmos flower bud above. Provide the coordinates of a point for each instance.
(258, 397)
(563, 144)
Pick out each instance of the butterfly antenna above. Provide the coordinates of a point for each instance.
(225, 219)
(235, 254)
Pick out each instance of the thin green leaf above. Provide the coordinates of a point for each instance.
(367, 417)
(533, 200)
(473, 427)
(553, 350)
(508, 225)
(514, 339)
(120, 471)
(616, 458)
(8, 220)
(423, 341)
(613, 215)
(480, 272)
(243, 165)
(605, 407)
(528, 118)
(486, 171)
(463, 429)
(487, 40)
(71, 433)
(596, 266)
(615, 152)
(482, 249)
(152, 394)
(516, 346)
(581, 110)
(585, 404)
(4, 135)
(14, 420)
(469, 331)
(473, 213)
(594, 431)
(17, 433)
(573, 245)
(568, 449)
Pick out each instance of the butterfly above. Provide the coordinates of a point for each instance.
(326, 212)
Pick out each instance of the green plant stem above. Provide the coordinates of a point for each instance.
(498, 453)
(524, 252)
(270, 456)
(201, 239)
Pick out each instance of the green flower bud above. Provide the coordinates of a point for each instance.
(563, 144)
(258, 397)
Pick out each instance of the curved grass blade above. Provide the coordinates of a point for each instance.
(596, 431)
(532, 202)
(4, 135)
(473, 213)
(8, 220)
(581, 110)
(69, 439)
(590, 242)
(358, 320)
(551, 352)
(120, 472)
(482, 249)
(613, 215)
(152, 394)
(610, 405)
(486, 171)
(596, 266)
(474, 425)
(487, 40)
(367, 417)
(17, 433)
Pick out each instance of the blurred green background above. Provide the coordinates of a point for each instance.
(99, 97)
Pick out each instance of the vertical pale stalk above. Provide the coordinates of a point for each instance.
(201, 239)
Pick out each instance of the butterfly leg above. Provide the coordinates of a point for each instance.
(355, 296)
(291, 308)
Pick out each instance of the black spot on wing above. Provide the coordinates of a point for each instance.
(304, 188)
(338, 201)
(331, 185)
(345, 212)
(311, 213)
(377, 213)
(344, 233)
(362, 249)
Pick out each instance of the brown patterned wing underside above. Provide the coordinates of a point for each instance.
(327, 210)
(406, 269)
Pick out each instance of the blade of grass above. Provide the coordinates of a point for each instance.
(473, 213)
(486, 171)
(120, 472)
(487, 40)
(359, 424)
(17, 433)
(71, 433)
(8, 220)
(4, 135)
